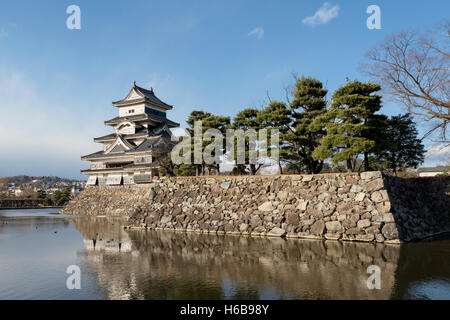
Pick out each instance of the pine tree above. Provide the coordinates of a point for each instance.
(308, 104)
(403, 148)
(277, 116)
(185, 170)
(247, 119)
(298, 139)
(195, 116)
(347, 123)
(209, 121)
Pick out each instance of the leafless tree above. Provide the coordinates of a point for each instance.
(414, 68)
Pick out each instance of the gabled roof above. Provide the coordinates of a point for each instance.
(120, 145)
(156, 143)
(112, 137)
(162, 130)
(139, 95)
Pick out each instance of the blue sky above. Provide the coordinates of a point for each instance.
(57, 85)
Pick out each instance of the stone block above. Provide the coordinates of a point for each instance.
(374, 185)
(318, 228)
(293, 218)
(363, 223)
(364, 237)
(360, 197)
(390, 231)
(266, 207)
(332, 236)
(370, 175)
(334, 227)
(276, 232)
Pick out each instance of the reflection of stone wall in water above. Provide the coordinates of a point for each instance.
(423, 264)
(178, 265)
(347, 206)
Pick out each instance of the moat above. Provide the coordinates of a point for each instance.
(37, 246)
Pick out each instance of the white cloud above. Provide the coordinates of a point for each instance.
(258, 32)
(437, 155)
(325, 13)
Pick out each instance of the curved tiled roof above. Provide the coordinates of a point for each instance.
(145, 96)
(142, 117)
(151, 143)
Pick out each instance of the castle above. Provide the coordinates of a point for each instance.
(142, 133)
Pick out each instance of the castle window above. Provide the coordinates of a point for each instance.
(131, 111)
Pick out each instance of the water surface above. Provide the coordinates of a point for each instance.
(37, 246)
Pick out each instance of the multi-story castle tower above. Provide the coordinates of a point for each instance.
(142, 131)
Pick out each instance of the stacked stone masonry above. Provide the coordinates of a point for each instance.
(364, 206)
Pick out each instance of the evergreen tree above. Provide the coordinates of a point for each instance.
(221, 124)
(298, 138)
(277, 116)
(375, 130)
(308, 104)
(185, 170)
(209, 121)
(347, 123)
(403, 148)
(194, 116)
(61, 197)
(168, 168)
(247, 119)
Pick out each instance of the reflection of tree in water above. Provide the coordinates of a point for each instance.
(168, 265)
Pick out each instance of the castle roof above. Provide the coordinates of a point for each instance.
(141, 95)
(144, 117)
(151, 144)
(142, 133)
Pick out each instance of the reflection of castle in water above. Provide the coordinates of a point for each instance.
(167, 265)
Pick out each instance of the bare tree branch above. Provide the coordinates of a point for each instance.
(414, 69)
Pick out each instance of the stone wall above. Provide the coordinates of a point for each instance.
(347, 206)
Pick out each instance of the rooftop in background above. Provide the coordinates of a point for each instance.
(432, 171)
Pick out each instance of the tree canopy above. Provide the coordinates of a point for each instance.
(348, 134)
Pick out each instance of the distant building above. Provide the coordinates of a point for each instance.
(141, 131)
(431, 171)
